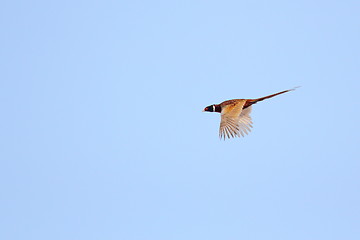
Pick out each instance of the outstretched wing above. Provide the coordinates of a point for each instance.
(235, 121)
(245, 122)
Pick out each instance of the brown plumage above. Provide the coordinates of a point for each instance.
(235, 115)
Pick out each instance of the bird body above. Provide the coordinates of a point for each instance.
(235, 115)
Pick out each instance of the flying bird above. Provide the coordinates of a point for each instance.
(235, 115)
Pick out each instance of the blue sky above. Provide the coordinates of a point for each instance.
(103, 134)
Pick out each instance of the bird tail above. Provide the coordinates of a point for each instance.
(250, 102)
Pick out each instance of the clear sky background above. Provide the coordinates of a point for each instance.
(103, 134)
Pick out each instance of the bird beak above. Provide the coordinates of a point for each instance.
(203, 110)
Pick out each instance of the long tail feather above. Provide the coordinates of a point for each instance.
(250, 102)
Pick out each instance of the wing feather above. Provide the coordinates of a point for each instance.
(235, 122)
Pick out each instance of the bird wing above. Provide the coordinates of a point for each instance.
(245, 121)
(235, 121)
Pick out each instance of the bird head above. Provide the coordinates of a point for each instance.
(210, 108)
